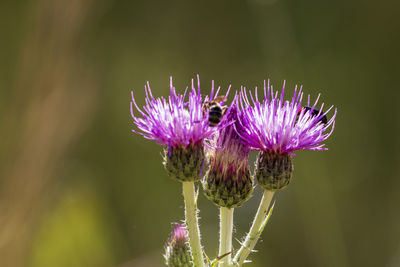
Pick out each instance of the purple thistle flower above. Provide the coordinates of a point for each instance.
(278, 128)
(172, 122)
(283, 126)
(228, 182)
(182, 126)
(177, 250)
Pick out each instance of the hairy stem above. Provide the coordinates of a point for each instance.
(255, 230)
(225, 235)
(192, 223)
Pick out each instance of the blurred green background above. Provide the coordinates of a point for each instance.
(77, 188)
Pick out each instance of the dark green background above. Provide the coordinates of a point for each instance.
(77, 188)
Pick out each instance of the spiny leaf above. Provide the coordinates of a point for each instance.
(219, 258)
(266, 219)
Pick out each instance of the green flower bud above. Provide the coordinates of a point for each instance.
(229, 188)
(177, 250)
(273, 171)
(184, 164)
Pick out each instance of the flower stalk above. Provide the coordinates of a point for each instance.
(225, 235)
(256, 229)
(192, 223)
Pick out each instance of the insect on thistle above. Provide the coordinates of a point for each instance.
(314, 112)
(215, 110)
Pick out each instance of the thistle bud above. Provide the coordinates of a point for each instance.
(273, 171)
(228, 182)
(184, 164)
(177, 250)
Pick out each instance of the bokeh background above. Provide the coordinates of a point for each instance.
(77, 188)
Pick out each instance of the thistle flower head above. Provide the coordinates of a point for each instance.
(278, 128)
(179, 125)
(229, 150)
(173, 122)
(228, 182)
(281, 126)
(177, 250)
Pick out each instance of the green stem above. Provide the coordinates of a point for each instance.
(255, 230)
(225, 235)
(192, 223)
